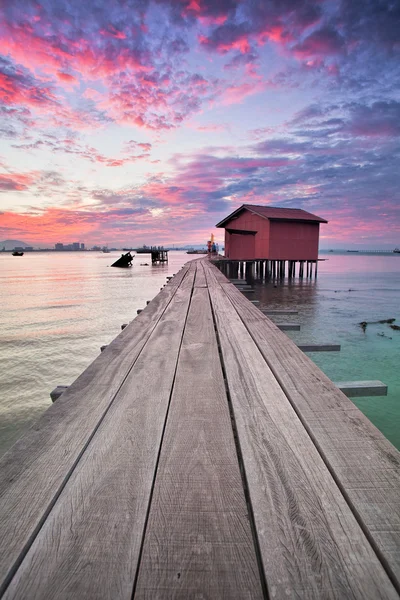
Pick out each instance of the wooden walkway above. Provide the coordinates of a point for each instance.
(202, 455)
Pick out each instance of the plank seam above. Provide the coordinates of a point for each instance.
(391, 575)
(253, 528)
(10, 575)
(160, 449)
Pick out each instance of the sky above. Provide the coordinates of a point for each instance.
(130, 122)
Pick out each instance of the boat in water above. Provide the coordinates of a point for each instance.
(196, 252)
(124, 261)
(15, 253)
(396, 250)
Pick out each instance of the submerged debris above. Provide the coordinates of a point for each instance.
(364, 324)
(395, 327)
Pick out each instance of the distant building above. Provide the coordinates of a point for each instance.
(19, 249)
(82, 246)
(76, 246)
(255, 232)
(28, 248)
(59, 246)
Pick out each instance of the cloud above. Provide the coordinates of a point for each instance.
(18, 182)
(380, 119)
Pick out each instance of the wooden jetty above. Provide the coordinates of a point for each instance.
(202, 455)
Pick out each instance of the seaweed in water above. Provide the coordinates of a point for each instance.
(395, 327)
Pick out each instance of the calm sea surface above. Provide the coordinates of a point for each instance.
(59, 308)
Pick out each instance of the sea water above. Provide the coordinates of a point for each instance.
(58, 308)
(350, 288)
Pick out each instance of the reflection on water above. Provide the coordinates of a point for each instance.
(59, 308)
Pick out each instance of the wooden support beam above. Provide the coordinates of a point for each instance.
(358, 389)
(288, 326)
(56, 393)
(319, 347)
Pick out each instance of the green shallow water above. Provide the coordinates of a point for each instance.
(348, 290)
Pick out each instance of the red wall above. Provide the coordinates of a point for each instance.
(276, 240)
(254, 248)
(293, 241)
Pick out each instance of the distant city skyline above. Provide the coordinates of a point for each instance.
(149, 121)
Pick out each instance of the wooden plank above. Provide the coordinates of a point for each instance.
(34, 470)
(310, 542)
(198, 541)
(344, 436)
(358, 389)
(319, 347)
(89, 545)
(200, 280)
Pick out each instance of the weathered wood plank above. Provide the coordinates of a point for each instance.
(311, 544)
(89, 545)
(37, 466)
(198, 541)
(358, 389)
(200, 280)
(346, 439)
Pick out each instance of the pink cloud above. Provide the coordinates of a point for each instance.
(17, 182)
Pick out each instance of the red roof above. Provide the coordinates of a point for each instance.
(274, 213)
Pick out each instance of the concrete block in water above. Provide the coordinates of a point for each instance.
(319, 347)
(358, 389)
(288, 326)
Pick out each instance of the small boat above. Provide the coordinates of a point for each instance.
(124, 261)
(105, 250)
(196, 252)
(396, 250)
(17, 253)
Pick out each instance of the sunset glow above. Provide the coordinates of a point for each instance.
(148, 121)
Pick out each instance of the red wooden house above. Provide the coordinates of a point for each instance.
(270, 233)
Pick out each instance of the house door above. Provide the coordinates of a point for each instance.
(242, 246)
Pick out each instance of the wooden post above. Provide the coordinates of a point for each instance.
(316, 269)
(57, 392)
